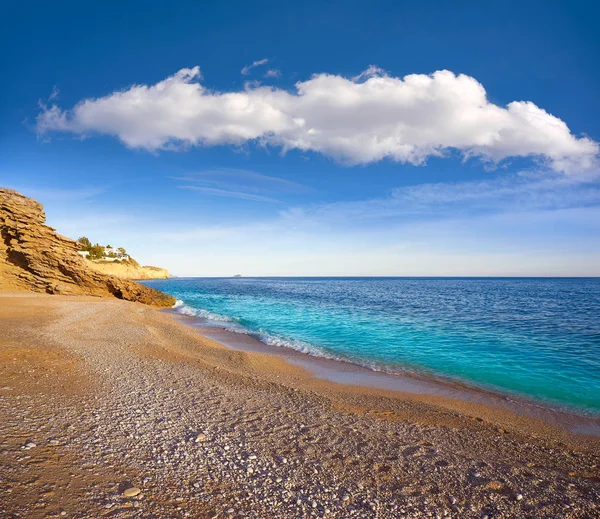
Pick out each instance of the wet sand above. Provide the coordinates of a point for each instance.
(100, 395)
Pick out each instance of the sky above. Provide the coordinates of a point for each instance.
(341, 138)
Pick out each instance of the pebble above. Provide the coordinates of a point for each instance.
(131, 492)
(200, 438)
(519, 497)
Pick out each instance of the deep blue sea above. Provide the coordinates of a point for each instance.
(538, 338)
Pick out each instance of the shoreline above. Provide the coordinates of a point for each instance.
(348, 373)
(100, 396)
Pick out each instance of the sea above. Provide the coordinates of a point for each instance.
(536, 338)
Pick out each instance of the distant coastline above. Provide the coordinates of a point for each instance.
(128, 270)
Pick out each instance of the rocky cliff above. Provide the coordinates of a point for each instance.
(129, 270)
(34, 257)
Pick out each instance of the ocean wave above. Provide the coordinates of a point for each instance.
(294, 344)
(280, 341)
(184, 309)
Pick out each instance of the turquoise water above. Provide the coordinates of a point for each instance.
(539, 338)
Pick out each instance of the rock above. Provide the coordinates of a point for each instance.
(519, 497)
(200, 438)
(131, 492)
(30, 445)
(34, 257)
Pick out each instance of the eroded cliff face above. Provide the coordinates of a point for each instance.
(126, 270)
(34, 257)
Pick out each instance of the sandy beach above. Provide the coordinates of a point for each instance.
(116, 409)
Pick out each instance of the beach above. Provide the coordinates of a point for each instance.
(116, 409)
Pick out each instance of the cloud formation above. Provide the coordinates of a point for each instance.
(246, 70)
(359, 120)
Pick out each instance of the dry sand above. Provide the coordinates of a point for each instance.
(99, 396)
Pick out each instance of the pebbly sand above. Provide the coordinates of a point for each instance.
(114, 409)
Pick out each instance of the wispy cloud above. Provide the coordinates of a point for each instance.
(51, 194)
(273, 73)
(229, 194)
(527, 191)
(246, 70)
(239, 183)
(54, 94)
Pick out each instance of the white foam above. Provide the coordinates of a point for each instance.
(182, 308)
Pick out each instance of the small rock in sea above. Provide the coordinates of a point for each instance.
(519, 497)
(131, 492)
(200, 438)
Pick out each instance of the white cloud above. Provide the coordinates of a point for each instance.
(366, 119)
(246, 70)
(273, 72)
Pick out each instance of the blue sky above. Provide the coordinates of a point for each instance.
(314, 138)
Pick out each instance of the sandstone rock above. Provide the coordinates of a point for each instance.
(34, 257)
